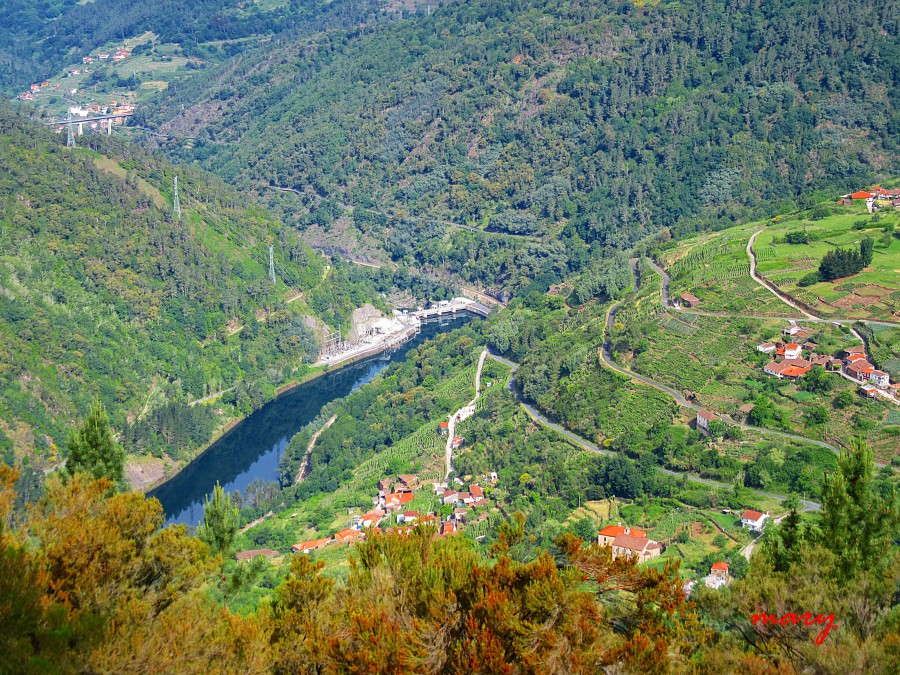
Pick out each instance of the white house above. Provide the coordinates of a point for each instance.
(879, 378)
(704, 417)
(767, 347)
(753, 520)
(792, 350)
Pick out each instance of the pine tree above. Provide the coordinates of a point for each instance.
(867, 251)
(94, 451)
(221, 519)
(858, 524)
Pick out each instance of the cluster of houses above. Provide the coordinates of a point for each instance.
(625, 541)
(118, 55)
(875, 197)
(793, 359)
(389, 510)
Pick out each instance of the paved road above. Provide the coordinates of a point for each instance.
(606, 358)
(593, 447)
(765, 283)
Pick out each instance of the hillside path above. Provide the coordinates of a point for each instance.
(581, 442)
(466, 411)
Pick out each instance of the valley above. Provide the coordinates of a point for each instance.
(488, 336)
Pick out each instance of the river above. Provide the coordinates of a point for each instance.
(253, 448)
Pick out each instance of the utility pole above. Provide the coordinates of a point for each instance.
(177, 203)
(272, 264)
(70, 137)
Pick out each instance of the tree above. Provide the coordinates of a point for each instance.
(858, 524)
(94, 451)
(867, 251)
(844, 399)
(221, 519)
(817, 415)
(817, 381)
(717, 429)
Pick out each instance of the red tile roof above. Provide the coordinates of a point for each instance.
(632, 543)
(750, 514)
(476, 491)
(862, 194)
(708, 416)
(720, 567)
(616, 530)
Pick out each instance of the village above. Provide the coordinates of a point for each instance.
(793, 360)
(875, 198)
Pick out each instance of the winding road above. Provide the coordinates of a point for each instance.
(541, 419)
(461, 414)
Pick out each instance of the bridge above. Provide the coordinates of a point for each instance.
(79, 122)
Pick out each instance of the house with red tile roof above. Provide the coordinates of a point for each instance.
(312, 545)
(704, 417)
(792, 350)
(643, 548)
(450, 497)
(789, 368)
(689, 300)
(346, 535)
(869, 390)
(753, 520)
(860, 369)
(853, 358)
(719, 569)
(608, 534)
(476, 491)
(447, 528)
(862, 194)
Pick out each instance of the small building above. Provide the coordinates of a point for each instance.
(862, 194)
(476, 491)
(868, 390)
(789, 368)
(457, 442)
(689, 300)
(439, 488)
(347, 535)
(384, 485)
(792, 350)
(609, 533)
(856, 349)
(879, 378)
(747, 408)
(767, 347)
(450, 497)
(242, 556)
(704, 417)
(408, 480)
(853, 358)
(460, 515)
(753, 520)
(860, 370)
(718, 576)
(443, 428)
(465, 497)
(408, 517)
(312, 545)
(628, 545)
(448, 528)
(793, 329)
(719, 569)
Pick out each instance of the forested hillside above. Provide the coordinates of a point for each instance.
(587, 124)
(105, 293)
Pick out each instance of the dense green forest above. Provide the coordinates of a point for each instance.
(588, 124)
(106, 294)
